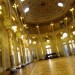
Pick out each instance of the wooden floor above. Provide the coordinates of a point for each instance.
(58, 66)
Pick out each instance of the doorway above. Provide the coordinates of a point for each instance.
(19, 56)
(28, 56)
(48, 49)
(66, 50)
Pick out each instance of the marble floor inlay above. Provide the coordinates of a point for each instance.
(57, 66)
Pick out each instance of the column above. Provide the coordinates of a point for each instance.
(40, 42)
(55, 39)
(22, 53)
(72, 11)
(12, 57)
(69, 38)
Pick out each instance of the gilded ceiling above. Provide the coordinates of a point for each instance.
(43, 13)
(45, 10)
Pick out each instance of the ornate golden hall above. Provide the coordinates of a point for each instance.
(37, 37)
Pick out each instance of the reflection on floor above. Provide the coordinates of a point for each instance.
(58, 66)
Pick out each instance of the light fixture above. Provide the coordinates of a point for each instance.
(22, 0)
(0, 7)
(62, 37)
(14, 28)
(21, 18)
(61, 32)
(61, 21)
(17, 48)
(72, 9)
(73, 32)
(33, 37)
(30, 41)
(60, 4)
(13, 18)
(20, 29)
(70, 41)
(48, 46)
(15, 6)
(46, 36)
(72, 27)
(51, 24)
(65, 35)
(24, 25)
(34, 42)
(0, 50)
(26, 10)
(22, 36)
(37, 26)
(0, 12)
(65, 18)
(48, 41)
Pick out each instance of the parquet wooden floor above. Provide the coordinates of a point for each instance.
(57, 66)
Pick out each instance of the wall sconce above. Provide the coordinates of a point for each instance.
(51, 24)
(65, 18)
(30, 41)
(15, 6)
(73, 32)
(34, 42)
(0, 12)
(0, 7)
(48, 46)
(22, 36)
(65, 35)
(14, 28)
(48, 41)
(13, 18)
(24, 25)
